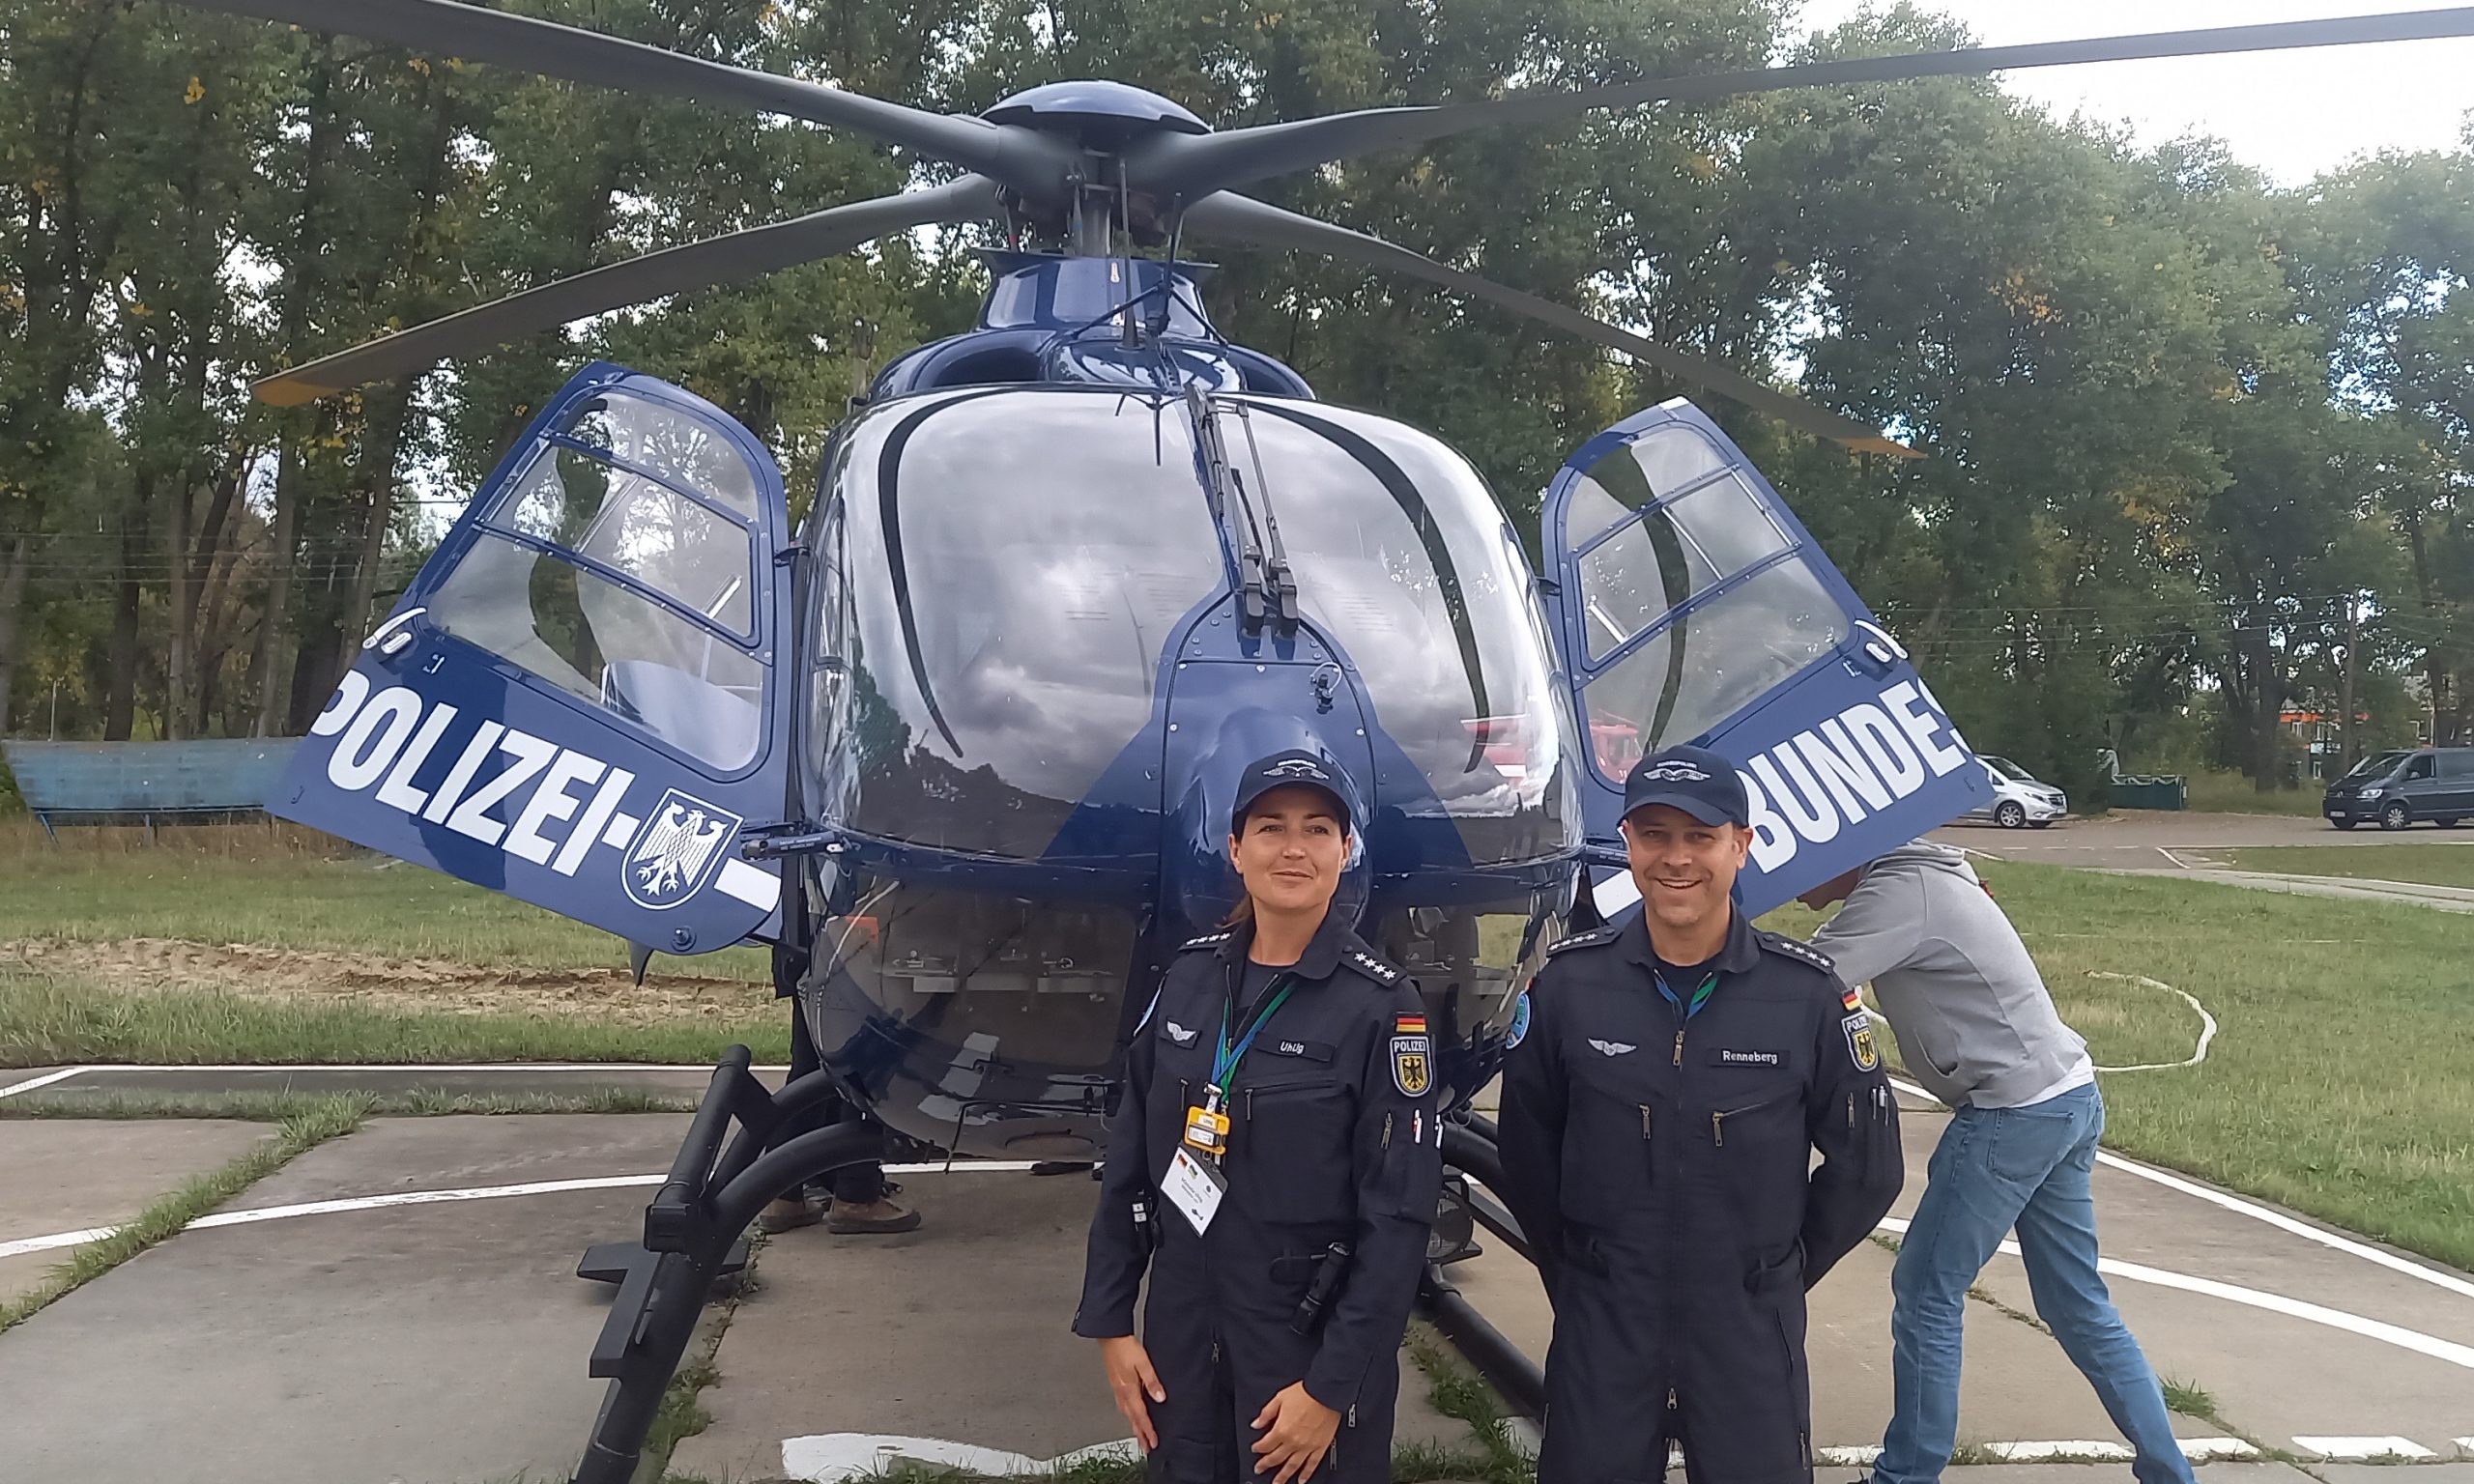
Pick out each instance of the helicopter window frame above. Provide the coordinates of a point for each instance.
(1711, 571)
(1716, 467)
(517, 489)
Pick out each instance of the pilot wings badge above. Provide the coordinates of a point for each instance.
(1611, 1048)
(678, 851)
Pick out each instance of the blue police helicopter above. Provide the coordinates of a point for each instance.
(962, 749)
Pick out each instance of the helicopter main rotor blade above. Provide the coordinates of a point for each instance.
(1021, 158)
(1191, 165)
(1237, 218)
(716, 259)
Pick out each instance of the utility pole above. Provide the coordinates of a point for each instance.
(2353, 642)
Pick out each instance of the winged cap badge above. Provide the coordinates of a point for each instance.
(1298, 767)
(1178, 1032)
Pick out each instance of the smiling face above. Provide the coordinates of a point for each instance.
(1683, 867)
(1289, 850)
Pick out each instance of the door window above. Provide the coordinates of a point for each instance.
(620, 567)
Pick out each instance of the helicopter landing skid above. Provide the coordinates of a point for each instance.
(692, 1231)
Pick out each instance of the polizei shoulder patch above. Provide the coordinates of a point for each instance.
(1589, 939)
(1207, 940)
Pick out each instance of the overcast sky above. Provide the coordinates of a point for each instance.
(2291, 114)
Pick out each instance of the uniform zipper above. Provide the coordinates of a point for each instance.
(1718, 1117)
(1387, 1130)
(1679, 1045)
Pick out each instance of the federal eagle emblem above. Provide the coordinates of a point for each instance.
(678, 851)
(1860, 1046)
(1412, 1066)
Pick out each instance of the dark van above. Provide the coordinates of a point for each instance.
(2399, 789)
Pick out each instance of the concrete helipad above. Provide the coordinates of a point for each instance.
(419, 1322)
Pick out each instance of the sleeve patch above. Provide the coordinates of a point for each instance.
(1861, 1048)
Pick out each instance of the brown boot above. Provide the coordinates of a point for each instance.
(789, 1214)
(878, 1217)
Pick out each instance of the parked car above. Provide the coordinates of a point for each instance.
(2404, 786)
(2020, 799)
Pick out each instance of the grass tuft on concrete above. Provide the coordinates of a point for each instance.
(328, 1118)
(2188, 1398)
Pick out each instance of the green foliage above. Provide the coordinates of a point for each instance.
(2177, 421)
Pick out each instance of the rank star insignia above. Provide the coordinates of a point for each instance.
(1859, 1041)
(1412, 1068)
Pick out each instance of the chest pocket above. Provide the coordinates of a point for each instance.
(1613, 1120)
(1292, 1158)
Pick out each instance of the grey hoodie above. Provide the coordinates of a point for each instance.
(1973, 1021)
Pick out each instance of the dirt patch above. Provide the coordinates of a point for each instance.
(434, 987)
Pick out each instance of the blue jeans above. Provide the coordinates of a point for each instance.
(1994, 1169)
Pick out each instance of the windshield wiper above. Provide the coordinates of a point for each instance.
(1268, 589)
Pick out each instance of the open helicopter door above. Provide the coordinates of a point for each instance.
(576, 703)
(1691, 606)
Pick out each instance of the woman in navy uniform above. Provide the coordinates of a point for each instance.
(1274, 1165)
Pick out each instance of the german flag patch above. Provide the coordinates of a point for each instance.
(1851, 998)
(1409, 1023)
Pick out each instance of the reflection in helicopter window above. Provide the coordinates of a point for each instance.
(568, 575)
(1401, 557)
(1018, 560)
(1024, 995)
(1470, 959)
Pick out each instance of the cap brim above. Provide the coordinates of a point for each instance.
(1698, 808)
(1339, 806)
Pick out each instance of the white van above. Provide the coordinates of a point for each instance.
(2018, 798)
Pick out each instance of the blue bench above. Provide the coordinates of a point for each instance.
(104, 783)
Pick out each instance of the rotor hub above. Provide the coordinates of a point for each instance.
(1096, 114)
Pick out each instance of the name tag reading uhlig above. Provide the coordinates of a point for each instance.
(1194, 1188)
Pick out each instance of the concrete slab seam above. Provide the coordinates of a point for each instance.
(25, 1245)
(272, 1067)
(2398, 1335)
(2256, 1213)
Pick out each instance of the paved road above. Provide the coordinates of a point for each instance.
(446, 1340)
(2194, 845)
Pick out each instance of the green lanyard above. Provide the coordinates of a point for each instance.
(1224, 1066)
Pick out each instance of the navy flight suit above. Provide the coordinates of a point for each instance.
(1333, 1139)
(1661, 1163)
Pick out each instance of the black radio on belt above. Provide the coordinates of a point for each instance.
(1318, 1295)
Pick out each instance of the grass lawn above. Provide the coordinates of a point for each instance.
(2433, 864)
(2230, 793)
(2338, 1084)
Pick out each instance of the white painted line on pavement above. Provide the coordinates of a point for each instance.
(25, 1245)
(2356, 1449)
(830, 1457)
(2207, 1022)
(46, 1080)
(259, 1213)
(2276, 1219)
(2463, 1445)
(680, 1067)
(2275, 1304)
(1847, 1458)
(2170, 856)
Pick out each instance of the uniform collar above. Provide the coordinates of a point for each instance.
(1322, 956)
(1740, 951)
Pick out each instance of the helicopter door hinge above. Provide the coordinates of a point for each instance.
(789, 556)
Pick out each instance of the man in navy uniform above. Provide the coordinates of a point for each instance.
(1660, 1109)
